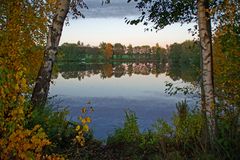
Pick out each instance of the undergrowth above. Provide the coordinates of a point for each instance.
(182, 139)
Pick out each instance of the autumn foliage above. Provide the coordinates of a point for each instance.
(22, 29)
(108, 51)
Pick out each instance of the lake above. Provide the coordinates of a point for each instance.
(115, 88)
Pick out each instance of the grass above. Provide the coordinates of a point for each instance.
(181, 140)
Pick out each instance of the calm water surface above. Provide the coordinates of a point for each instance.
(112, 90)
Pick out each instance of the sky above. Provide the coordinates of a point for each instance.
(106, 23)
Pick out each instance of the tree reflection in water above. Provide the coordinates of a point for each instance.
(108, 70)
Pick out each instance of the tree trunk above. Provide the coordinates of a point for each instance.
(40, 91)
(208, 104)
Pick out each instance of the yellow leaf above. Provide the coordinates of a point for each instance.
(88, 119)
(84, 110)
(77, 128)
(85, 128)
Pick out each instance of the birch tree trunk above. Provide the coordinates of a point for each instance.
(208, 104)
(40, 91)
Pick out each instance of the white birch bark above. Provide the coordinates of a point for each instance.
(40, 91)
(207, 64)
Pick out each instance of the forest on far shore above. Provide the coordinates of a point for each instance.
(32, 128)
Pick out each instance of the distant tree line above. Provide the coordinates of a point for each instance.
(178, 60)
(183, 61)
(186, 53)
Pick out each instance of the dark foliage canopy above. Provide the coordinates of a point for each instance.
(161, 13)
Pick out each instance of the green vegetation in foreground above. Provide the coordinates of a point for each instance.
(181, 140)
(26, 135)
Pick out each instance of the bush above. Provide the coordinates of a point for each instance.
(67, 137)
(182, 140)
(60, 131)
(124, 141)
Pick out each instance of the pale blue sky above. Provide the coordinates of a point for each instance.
(106, 24)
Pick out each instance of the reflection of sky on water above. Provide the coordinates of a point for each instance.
(110, 97)
(125, 86)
